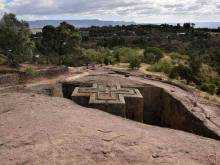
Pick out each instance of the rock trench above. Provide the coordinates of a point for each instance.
(159, 108)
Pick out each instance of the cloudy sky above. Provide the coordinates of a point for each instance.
(148, 11)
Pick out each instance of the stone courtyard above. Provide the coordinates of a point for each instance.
(117, 100)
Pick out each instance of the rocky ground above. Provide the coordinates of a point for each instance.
(38, 129)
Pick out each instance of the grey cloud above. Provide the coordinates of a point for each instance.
(142, 8)
(68, 6)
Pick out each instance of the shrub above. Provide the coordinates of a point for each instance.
(152, 55)
(2, 61)
(29, 71)
(107, 56)
(182, 72)
(94, 56)
(215, 81)
(123, 54)
(208, 87)
(134, 62)
(178, 58)
(162, 66)
(207, 73)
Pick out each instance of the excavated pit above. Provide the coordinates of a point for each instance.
(159, 108)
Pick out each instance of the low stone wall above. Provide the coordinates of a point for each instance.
(68, 88)
(53, 71)
(17, 77)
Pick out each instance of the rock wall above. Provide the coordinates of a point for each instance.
(162, 109)
(175, 115)
(152, 104)
(134, 108)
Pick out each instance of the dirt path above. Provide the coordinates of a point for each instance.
(72, 75)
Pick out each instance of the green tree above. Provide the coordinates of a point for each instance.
(134, 61)
(48, 42)
(152, 55)
(123, 54)
(181, 71)
(67, 41)
(15, 41)
(94, 56)
(61, 43)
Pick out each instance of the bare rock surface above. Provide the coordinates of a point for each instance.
(36, 129)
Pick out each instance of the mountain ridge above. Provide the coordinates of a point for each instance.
(84, 23)
(77, 23)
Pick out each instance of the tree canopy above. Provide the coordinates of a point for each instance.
(15, 41)
(60, 42)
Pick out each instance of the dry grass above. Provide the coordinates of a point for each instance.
(210, 98)
(144, 69)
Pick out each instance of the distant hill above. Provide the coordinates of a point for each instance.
(77, 23)
(38, 24)
(211, 25)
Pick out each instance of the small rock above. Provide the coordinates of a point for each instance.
(195, 104)
(155, 156)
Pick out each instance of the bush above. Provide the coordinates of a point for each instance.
(123, 54)
(3, 61)
(107, 56)
(208, 87)
(94, 56)
(215, 81)
(207, 73)
(152, 55)
(182, 72)
(29, 71)
(134, 62)
(178, 58)
(162, 66)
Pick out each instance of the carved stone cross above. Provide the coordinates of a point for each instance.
(125, 102)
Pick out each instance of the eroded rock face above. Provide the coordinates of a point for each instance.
(163, 109)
